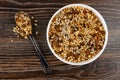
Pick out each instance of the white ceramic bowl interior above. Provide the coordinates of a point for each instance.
(102, 21)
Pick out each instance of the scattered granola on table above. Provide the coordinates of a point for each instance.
(76, 34)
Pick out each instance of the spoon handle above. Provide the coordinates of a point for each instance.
(46, 68)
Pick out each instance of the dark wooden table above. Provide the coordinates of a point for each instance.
(18, 58)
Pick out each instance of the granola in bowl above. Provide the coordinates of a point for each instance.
(76, 34)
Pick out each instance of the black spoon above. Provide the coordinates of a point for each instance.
(46, 67)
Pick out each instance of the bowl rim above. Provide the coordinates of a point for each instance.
(103, 23)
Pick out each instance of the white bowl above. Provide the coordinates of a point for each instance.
(103, 23)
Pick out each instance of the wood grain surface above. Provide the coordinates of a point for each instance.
(18, 59)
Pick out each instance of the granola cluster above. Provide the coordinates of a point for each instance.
(24, 27)
(76, 34)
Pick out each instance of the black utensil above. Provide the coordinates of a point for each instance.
(21, 15)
